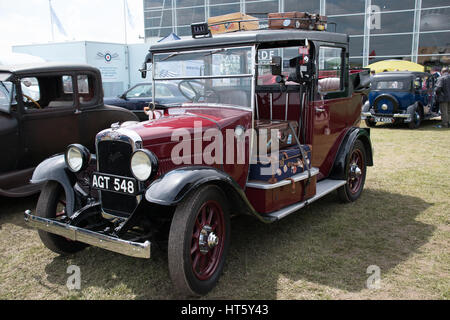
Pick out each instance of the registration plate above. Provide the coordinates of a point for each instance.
(384, 119)
(108, 182)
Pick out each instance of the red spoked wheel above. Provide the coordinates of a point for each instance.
(207, 240)
(198, 241)
(355, 173)
(354, 178)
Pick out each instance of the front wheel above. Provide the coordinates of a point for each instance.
(355, 173)
(52, 205)
(198, 241)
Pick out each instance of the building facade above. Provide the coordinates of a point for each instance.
(414, 30)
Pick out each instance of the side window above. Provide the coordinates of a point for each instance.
(418, 83)
(85, 89)
(47, 92)
(330, 69)
(140, 91)
(30, 88)
(67, 84)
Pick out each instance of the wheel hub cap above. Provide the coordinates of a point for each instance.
(207, 239)
(355, 171)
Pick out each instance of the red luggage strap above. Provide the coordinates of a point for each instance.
(305, 159)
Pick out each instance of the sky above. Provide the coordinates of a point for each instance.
(28, 21)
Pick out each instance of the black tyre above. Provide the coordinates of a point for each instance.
(416, 121)
(198, 241)
(355, 173)
(51, 204)
(370, 123)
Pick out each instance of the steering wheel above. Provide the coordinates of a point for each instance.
(208, 91)
(32, 100)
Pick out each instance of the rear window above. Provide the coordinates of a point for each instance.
(393, 85)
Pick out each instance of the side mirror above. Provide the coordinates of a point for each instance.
(123, 96)
(303, 69)
(143, 70)
(276, 66)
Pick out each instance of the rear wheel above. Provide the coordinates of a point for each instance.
(198, 241)
(355, 174)
(52, 205)
(415, 122)
(370, 123)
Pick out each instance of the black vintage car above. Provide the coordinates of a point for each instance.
(44, 107)
(140, 96)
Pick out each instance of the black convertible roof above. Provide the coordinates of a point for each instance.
(45, 67)
(250, 37)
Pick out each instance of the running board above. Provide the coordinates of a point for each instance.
(323, 188)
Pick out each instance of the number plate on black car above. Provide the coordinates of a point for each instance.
(384, 119)
(113, 183)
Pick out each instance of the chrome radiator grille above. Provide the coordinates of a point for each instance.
(113, 157)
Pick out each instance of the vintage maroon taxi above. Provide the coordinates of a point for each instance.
(270, 125)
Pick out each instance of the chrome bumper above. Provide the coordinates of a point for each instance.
(129, 248)
(365, 115)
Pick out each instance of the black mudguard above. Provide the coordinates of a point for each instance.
(355, 133)
(171, 188)
(55, 169)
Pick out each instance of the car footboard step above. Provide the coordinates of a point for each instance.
(323, 188)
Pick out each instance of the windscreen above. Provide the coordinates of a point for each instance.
(217, 77)
(5, 95)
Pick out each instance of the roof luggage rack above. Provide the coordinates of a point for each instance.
(235, 22)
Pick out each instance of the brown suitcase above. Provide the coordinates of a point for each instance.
(288, 20)
(269, 200)
(229, 23)
(285, 136)
(297, 20)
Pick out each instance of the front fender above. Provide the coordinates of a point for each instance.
(55, 169)
(363, 134)
(171, 188)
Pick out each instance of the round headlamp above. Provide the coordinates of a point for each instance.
(144, 164)
(77, 157)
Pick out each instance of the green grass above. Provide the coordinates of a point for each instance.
(400, 223)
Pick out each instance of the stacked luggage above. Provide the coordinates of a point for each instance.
(282, 184)
(297, 20)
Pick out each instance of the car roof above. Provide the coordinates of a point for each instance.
(249, 38)
(46, 67)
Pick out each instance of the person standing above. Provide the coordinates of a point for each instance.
(443, 96)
